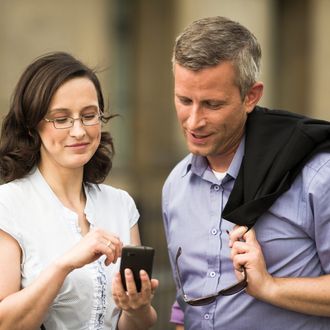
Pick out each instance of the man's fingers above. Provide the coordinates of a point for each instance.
(237, 234)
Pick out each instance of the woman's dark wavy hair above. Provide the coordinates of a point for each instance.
(20, 142)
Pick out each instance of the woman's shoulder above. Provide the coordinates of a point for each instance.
(108, 192)
(28, 187)
(112, 201)
(13, 195)
(16, 188)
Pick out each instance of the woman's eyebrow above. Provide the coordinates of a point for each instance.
(56, 110)
(91, 106)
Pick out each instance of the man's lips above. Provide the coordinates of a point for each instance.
(198, 137)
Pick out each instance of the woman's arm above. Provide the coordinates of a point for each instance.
(137, 312)
(25, 308)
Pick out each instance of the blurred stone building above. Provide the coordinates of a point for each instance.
(131, 41)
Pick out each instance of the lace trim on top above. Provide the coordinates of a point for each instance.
(99, 298)
(99, 278)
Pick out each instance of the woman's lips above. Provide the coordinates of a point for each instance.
(78, 146)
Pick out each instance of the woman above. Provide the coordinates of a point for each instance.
(61, 231)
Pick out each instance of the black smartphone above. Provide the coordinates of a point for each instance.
(136, 258)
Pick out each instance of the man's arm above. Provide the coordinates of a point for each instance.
(304, 295)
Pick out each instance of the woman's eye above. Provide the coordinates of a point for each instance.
(61, 120)
(89, 116)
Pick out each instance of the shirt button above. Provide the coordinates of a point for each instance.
(216, 187)
(206, 316)
(212, 274)
(214, 231)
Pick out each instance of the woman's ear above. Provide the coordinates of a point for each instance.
(253, 96)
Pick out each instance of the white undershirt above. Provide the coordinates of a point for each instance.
(219, 175)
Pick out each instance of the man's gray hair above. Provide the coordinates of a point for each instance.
(210, 41)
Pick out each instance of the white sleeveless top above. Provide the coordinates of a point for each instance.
(45, 229)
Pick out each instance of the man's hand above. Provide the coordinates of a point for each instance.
(246, 252)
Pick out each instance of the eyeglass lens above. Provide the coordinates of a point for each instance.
(67, 122)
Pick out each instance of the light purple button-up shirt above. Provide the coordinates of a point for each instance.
(294, 235)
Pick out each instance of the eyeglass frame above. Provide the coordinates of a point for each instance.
(206, 300)
(99, 118)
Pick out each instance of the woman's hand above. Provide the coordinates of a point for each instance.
(133, 300)
(137, 310)
(92, 246)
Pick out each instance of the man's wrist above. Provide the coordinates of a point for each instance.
(268, 291)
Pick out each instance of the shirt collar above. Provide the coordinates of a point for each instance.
(198, 164)
(237, 160)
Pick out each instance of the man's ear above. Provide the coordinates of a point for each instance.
(253, 96)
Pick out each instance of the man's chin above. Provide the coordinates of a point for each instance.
(198, 151)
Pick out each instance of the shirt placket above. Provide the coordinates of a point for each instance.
(215, 245)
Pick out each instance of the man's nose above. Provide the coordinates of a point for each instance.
(196, 118)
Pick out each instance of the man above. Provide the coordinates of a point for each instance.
(248, 168)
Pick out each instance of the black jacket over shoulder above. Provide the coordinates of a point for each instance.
(278, 144)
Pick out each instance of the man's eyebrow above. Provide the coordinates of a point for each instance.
(220, 102)
(182, 96)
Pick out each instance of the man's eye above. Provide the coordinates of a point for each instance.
(213, 105)
(62, 120)
(185, 101)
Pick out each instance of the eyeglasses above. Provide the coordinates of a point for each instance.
(233, 289)
(68, 122)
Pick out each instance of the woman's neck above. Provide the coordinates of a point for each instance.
(67, 184)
